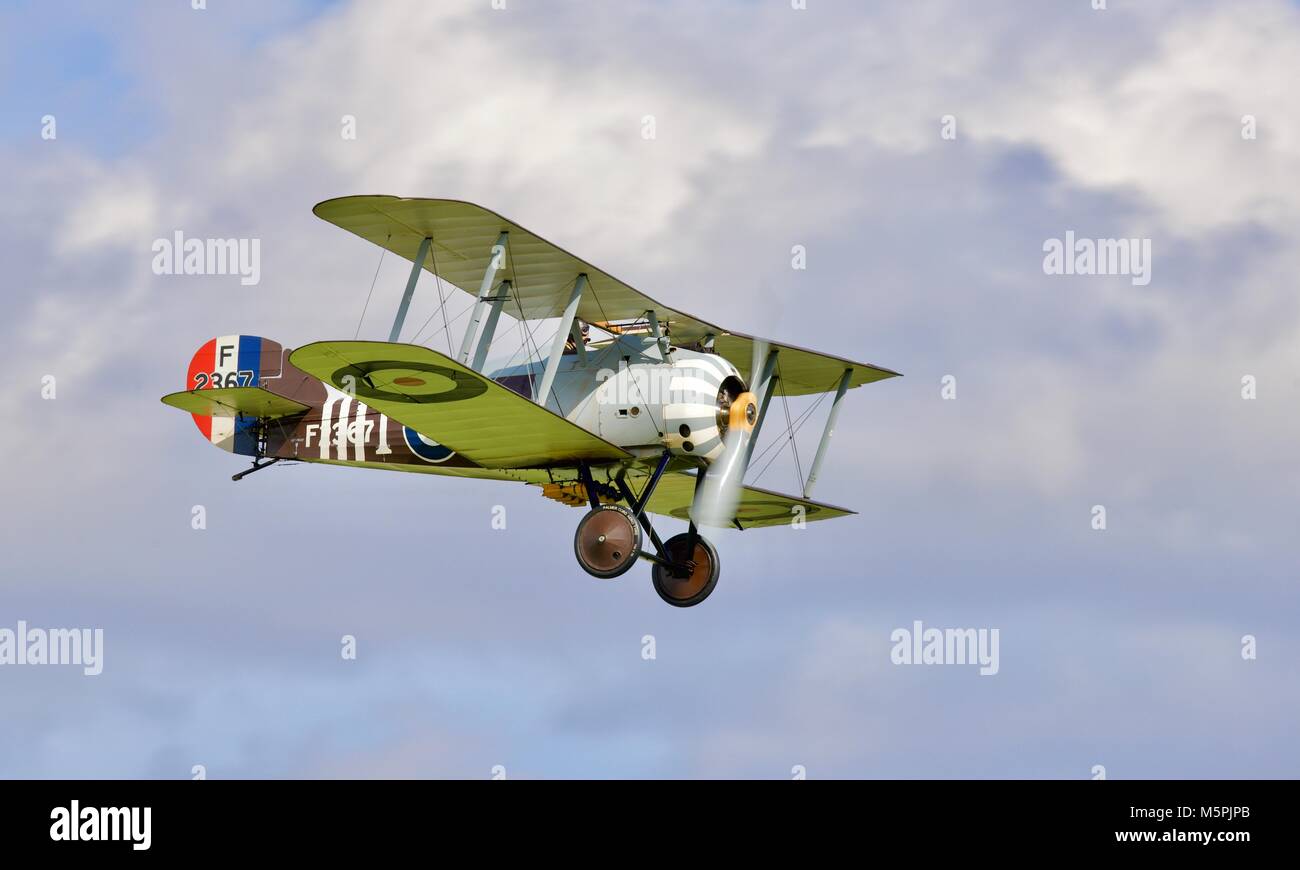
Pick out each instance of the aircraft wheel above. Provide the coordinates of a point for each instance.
(607, 541)
(690, 589)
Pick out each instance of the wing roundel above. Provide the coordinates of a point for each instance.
(453, 406)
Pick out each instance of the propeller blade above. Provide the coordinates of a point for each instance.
(715, 502)
(719, 492)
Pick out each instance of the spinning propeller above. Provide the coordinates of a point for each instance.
(719, 494)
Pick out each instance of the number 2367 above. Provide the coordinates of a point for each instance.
(215, 380)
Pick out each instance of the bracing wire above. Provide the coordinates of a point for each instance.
(364, 308)
(780, 442)
(526, 334)
(517, 292)
(437, 283)
(446, 325)
(794, 447)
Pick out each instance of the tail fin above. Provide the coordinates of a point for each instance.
(224, 390)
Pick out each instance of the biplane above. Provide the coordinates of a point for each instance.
(631, 409)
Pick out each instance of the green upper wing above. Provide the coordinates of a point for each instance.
(801, 372)
(543, 273)
(233, 401)
(452, 404)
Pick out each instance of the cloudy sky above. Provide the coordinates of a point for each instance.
(774, 127)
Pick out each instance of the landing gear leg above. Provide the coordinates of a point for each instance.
(691, 572)
(638, 504)
(686, 566)
(693, 533)
(608, 539)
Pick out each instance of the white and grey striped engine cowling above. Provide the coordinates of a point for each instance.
(699, 390)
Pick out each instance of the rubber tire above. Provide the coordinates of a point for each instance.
(662, 577)
(629, 558)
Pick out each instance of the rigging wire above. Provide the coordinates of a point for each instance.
(527, 335)
(798, 421)
(554, 395)
(778, 452)
(798, 424)
(357, 334)
(794, 447)
(523, 341)
(525, 345)
(519, 306)
(445, 326)
(437, 283)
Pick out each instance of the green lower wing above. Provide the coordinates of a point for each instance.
(757, 508)
(234, 401)
(453, 405)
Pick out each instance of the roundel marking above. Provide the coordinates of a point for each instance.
(447, 385)
(426, 448)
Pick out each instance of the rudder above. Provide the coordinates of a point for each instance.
(233, 361)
